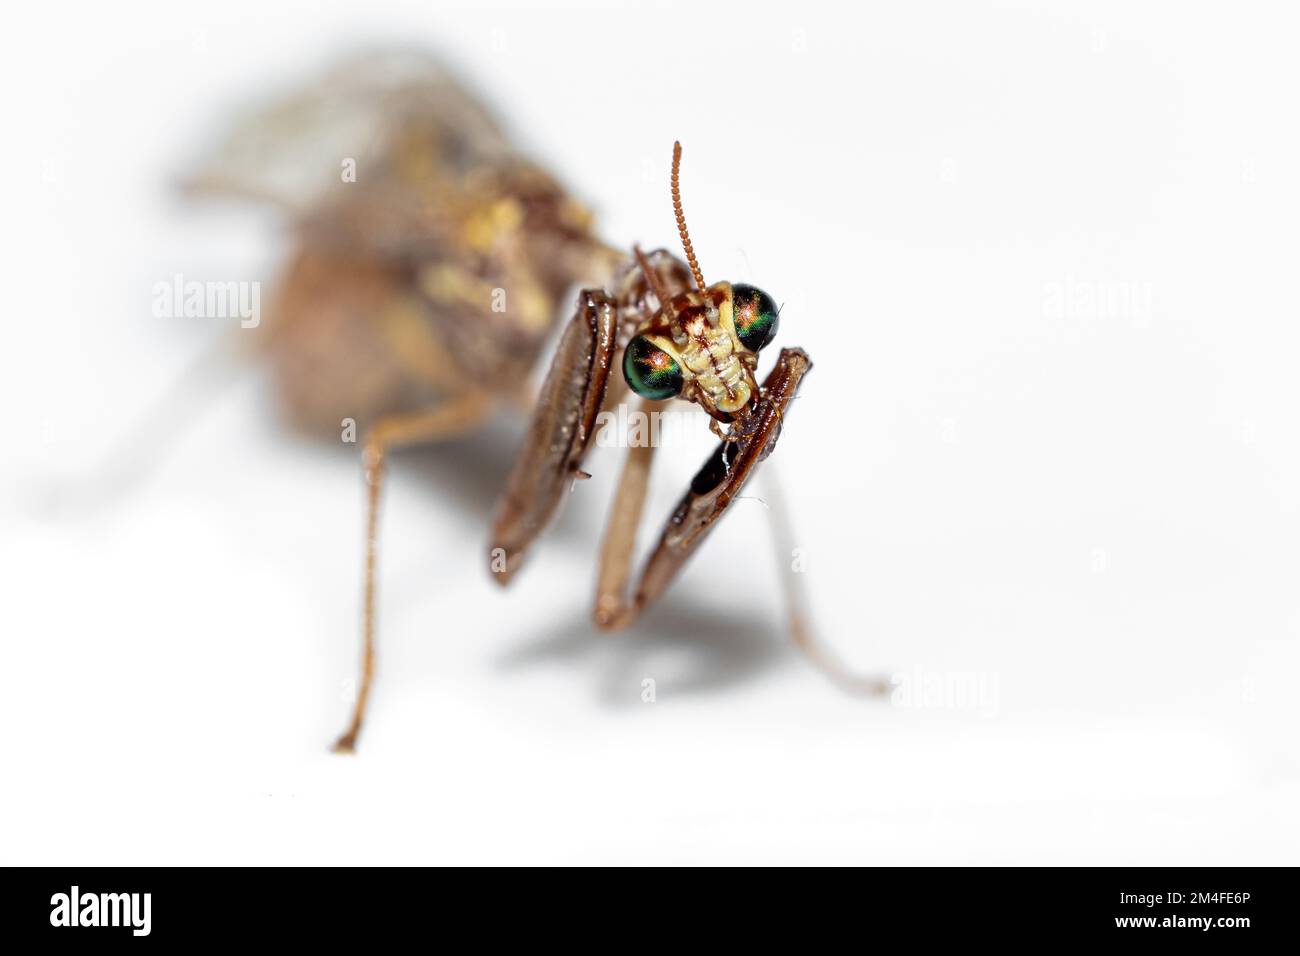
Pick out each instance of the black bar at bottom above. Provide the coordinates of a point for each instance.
(1229, 907)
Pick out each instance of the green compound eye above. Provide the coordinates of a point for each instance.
(650, 371)
(755, 316)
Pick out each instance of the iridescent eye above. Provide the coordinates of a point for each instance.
(650, 371)
(755, 316)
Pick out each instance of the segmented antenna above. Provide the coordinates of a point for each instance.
(681, 219)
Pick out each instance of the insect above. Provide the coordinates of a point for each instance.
(421, 293)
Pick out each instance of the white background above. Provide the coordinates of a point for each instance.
(1043, 257)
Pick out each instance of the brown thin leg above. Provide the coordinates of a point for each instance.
(456, 416)
(802, 631)
(616, 552)
(712, 491)
(613, 611)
